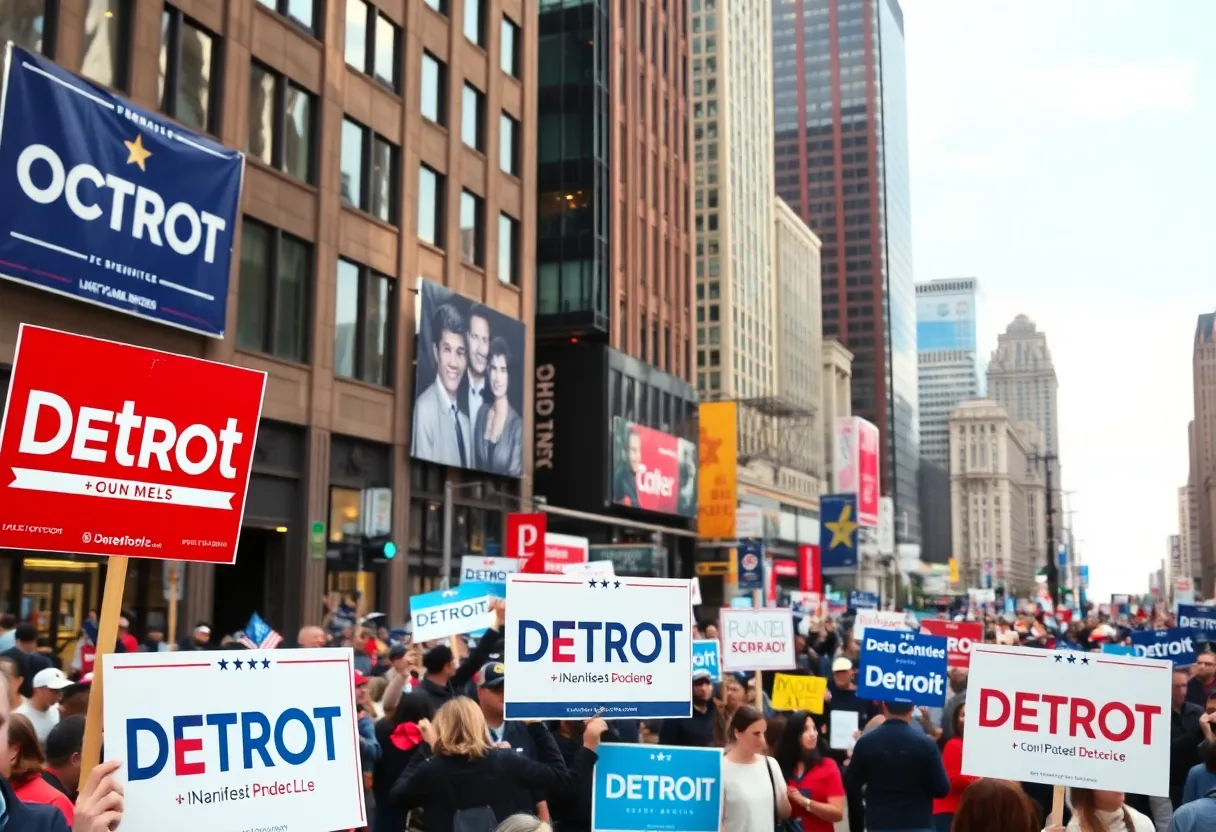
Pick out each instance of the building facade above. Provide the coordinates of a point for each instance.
(837, 396)
(385, 141)
(614, 295)
(1022, 379)
(1188, 531)
(841, 161)
(996, 495)
(1203, 445)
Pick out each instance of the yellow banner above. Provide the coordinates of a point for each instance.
(798, 693)
(953, 571)
(717, 479)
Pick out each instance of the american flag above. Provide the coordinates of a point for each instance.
(258, 635)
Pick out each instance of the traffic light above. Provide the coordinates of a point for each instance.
(390, 550)
(379, 548)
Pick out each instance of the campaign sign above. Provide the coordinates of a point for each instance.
(750, 554)
(489, 570)
(1200, 619)
(902, 667)
(1118, 650)
(1176, 644)
(863, 600)
(656, 788)
(112, 204)
(760, 639)
(452, 612)
(235, 739)
(110, 449)
(579, 645)
(1068, 719)
(878, 619)
(960, 636)
(705, 657)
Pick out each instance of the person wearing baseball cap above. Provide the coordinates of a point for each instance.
(491, 683)
(42, 709)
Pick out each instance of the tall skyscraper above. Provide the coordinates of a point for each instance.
(733, 197)
(841, 157)
(1022, 379)
(1203, 451)
(950, 371)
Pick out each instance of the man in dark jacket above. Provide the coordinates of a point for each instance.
(1185, 736)
(444, 680)
(512, 736)
(26, 649)
(696, 731)
(1203, 683)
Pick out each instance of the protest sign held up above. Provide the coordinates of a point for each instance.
(705, 657)
(1176, 644)
(757, 639)
(879, 619)
(581, 645)
(452, 612)
(798, 693)
(960, 636)
(657, 788)
(902, 667)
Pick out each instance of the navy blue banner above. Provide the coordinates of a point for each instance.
(1202, 620)
(863, 600)
(751, 565)
(838, 531)
(113, 205)
(1176, 644)
(902, 667)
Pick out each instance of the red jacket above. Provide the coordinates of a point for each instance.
(952, 761)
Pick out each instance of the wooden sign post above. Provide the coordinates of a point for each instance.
(759, 686)
(107, 634)
(175, 583)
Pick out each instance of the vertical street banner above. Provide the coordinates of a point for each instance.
(838, 531)
(750, 556)
(656, 788)
(717, 484)
(810, 579)
(855, 466)
(111, 204)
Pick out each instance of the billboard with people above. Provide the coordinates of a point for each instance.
(469, 384)
(652, 470)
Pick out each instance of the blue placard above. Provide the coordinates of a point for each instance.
(448, 612)
(108, 203)
(1118, 650)
(1202, 620)
(656, 788)
(838, 531)
(1011, 605)
(863, 600)
(750, 554)
(902, 667)
(1176, 644)
(705, 657)
(741, 602)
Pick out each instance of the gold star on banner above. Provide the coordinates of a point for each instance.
(842, 530)
(137, 154)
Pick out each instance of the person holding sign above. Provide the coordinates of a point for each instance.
(815, 790)
(753, 793)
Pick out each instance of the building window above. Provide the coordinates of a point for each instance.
(273, 295)
(29, 23)
(474, 22)
(472, 229)
(508, 250)
(302, 12)
(281, 123)
(189, 63)
(440, 6)
(510, 46)
(430, 206)
(508, 145)
(472, 117)
(373, 43)
(368, 166)
(107, 42)
(434, 85)
(363, 324)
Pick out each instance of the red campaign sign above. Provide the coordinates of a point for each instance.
(653, 471)
(785, 568)
(808, 568)
(564, 550)
(111, 449)
(867, 470)
(526, 539)
(960, 635)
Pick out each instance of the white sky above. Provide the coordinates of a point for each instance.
(1062, 152)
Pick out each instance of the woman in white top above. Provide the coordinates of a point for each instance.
(1094, 810)
(753, 790)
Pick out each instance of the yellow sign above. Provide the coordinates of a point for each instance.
(953, 571)
(798, 693)
(717, 484)
(706, 568)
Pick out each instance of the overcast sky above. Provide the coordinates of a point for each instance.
(1062, 153)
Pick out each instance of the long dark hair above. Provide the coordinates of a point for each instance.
(990, 805)
(790, 753)
(954, 729)
(413, 707)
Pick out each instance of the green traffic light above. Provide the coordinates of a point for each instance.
(390, 549)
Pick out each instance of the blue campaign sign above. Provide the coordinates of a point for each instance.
(1176, 644)
(1200, 619)
(751, 565)
(452, 612)
(838, 531)
(110, 204)
(902, 667)
(657, 788)
(1118, 650)
(863, 600)
(705, 657)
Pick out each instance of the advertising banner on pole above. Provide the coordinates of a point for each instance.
(959, 635)
(526, 539)
(902, 667)
(855, 466)
(452, 612)
(757, 639)
(111, 449)
(705, 657)
(810, 579)
(235, 739)
(750, 554)
(656, 788)
(838, 532)
(578, 646)
(717, 483)
(1068, 719)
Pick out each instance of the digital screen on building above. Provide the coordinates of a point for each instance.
(945, 322)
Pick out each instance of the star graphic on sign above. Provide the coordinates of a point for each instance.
(1084, 660)
(616, 585)
(1072, 659)
(223, 663)
(265, 664)
(1059, 658)
(237, 663)
(591, 583)
(709, 448)
(604, 584)
(253, 664)
(842, 530)
(136, 153)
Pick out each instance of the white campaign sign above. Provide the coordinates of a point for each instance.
(882, 619)
(760, 639)
(1065, 718)
(235, 740)
(581, 644)
(491, 570)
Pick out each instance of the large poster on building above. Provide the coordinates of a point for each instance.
(652, 470)
(718, 456)
(945, 321)
(110, 204)
(469, 385)
(855, 466)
